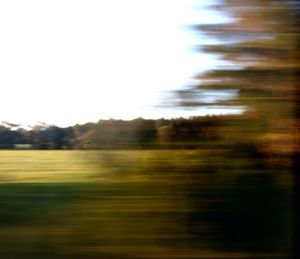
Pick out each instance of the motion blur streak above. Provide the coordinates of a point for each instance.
(261, 47)
(204, 187)
(138, 204)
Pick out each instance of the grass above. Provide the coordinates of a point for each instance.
(91, 204)
(82, 166)
(118, 204)
(42, 166)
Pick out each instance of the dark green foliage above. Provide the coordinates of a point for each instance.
(22, 203)
(51, 138)
(140, 133)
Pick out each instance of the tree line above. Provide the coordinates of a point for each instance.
(191, 133)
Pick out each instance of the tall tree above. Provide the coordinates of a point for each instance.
(260, 48)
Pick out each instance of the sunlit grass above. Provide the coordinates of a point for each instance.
(86, 166)
(42, 166)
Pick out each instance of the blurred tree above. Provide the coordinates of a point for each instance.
(259, 46)
(51, 138)
(145, 131)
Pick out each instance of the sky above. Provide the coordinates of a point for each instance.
(74, 61)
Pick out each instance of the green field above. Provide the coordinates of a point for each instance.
(128, 204)
(92, 204)
(91, 166)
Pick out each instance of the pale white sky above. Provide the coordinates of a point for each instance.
(72, 61)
